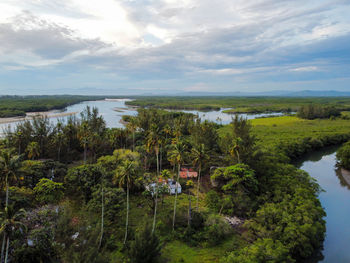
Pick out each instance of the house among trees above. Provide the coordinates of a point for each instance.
(169, 184)
(188, 173)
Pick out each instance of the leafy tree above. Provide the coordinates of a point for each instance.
(81, 181)
(31, 172)
(146, 246)
(47, 191)
(239, 186)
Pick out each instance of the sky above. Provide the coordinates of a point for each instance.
(118, 47)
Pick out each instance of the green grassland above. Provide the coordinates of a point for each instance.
(297, 136)
(239, 104)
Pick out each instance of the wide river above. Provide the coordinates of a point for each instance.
(336, 201)
(113, 110)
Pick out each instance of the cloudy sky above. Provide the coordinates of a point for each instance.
(163, 46)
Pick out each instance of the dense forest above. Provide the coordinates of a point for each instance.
(241, 104)
(77, 191)
(13, 106)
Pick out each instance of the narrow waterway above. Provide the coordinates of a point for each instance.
(336, 201)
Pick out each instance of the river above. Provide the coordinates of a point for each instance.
(336, 201)
(113, 110)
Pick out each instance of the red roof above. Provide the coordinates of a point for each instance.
(187, 173)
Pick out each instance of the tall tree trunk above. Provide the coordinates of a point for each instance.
(177, 180)
(160, 161)
(7, 249)
(133, 141)
(84, 154)
(3, 247)
(189, 208)
(198, 187)
(7, 190)
(156, 200)
(102, 219)
(59, 151)
(127, 212)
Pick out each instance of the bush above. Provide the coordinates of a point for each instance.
(217, 229)
(146, 246)
(47, 191)
(343, 156)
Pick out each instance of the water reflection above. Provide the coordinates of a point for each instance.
(321, 165)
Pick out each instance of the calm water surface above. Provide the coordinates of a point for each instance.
(336, 202)
(113, 117)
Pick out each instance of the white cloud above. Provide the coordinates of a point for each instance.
(185, 40)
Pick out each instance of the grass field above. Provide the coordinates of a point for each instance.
(297, 136)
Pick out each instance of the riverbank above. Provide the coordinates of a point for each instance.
(31, 115)
(346, 175)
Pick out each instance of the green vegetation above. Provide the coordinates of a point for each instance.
(94, 194)
(294, 136)
(312, 112)
(13, 106)
(239, 104)
(343, 156)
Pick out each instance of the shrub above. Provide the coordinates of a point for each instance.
(47, 191)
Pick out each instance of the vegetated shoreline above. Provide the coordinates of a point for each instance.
(238, 104)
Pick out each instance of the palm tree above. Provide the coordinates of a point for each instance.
(33, 150)
(84, 135)
(199, 158)
(236, 147)
(9, 164)
(165, 175)
(177, 156)
(132, 126)
(153, 144)
(58, 138)
(125, 175)
(189, 185)
(9, 221)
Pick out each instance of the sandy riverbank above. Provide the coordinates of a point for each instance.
(31, 115)
(346, 175)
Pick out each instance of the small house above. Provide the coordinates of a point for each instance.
(173, 185)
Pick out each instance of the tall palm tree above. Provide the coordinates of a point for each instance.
(125, 176)
(33, 150)
(153, 144)
(177, 156)
(9, 164)
(10, 219)
(58, 138)
(132, 126)
(189, 185)
(84, 135)
(199, 156)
